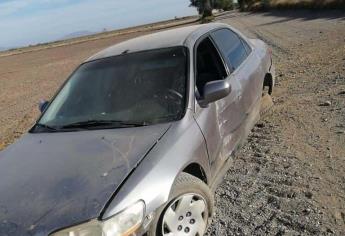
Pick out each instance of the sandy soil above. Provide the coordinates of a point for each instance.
(289, 179)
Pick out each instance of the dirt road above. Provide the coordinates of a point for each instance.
(290, 177)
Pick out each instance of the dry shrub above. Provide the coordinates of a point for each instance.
(207, 19)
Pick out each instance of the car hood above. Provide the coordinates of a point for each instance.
(53, 180)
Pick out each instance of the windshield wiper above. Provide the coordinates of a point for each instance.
(47, 127)
(103, 123)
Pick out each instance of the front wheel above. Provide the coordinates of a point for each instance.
(187, 211)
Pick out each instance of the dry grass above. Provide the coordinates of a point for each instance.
(292, 4)
(306, 3)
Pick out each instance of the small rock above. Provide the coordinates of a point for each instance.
(307, 211)
(326, 104)
(260, 125)
(258, 154)
(339, 77)
(291, 195)
(308, 195)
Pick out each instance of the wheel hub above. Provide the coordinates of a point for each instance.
(187, 215)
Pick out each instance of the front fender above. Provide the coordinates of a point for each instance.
(153, 179)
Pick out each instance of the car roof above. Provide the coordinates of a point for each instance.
(164, 39)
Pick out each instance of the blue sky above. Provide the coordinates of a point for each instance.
(24, 22)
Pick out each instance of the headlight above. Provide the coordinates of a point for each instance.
(125, 223)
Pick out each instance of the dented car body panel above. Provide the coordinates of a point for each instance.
(151, 180)
(55, 180)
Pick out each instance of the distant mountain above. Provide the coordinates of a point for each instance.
(3, 49)
(78, 34)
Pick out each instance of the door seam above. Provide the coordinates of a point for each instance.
(202, 133)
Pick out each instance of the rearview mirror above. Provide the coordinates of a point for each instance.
(42, 105)
(214, 91)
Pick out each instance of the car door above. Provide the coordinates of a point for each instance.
(245, 68)
(219, 121)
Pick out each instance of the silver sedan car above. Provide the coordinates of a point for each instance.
(137, 139)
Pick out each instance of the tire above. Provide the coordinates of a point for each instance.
(188, 219)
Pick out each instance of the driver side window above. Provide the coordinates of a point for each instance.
(209, 66)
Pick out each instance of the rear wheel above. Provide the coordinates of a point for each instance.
(188, 210)
(266, 99)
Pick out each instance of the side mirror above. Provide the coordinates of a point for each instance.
(214, 91)
(42, 105)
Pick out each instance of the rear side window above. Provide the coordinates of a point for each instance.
(247, 47)
(231, 46)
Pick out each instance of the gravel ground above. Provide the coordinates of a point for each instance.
(289, 179)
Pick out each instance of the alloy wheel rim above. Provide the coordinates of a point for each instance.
(187, 215)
